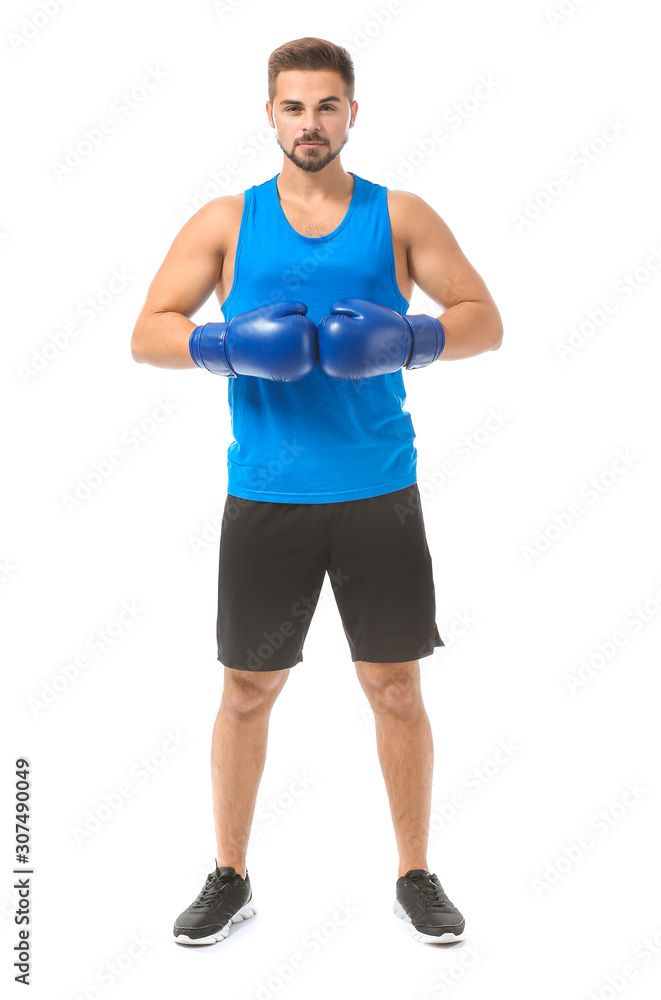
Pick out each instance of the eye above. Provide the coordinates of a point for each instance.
(323, 107)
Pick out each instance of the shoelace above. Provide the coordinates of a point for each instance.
(432, 890)
(211, 886)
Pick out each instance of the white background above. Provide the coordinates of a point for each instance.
(543, 567)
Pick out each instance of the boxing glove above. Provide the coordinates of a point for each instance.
(360, 339)
(278, 342)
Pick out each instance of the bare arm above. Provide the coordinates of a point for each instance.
(471, 320)
(183, 283)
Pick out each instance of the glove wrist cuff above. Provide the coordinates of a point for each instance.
(428, 340)
(206, 345)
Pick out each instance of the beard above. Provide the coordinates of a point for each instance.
(312, 160)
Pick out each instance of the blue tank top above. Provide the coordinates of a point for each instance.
(319, 439)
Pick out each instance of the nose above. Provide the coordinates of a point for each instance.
(311, 125)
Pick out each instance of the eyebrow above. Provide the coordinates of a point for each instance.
(324, 100)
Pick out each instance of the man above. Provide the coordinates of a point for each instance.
(313, 270)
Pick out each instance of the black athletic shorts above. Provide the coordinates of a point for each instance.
(273, 562)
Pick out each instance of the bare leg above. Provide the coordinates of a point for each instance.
(238, 754)
(406, 753)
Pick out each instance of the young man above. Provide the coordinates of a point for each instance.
(313, 270)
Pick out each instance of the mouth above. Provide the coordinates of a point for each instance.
(311, 145)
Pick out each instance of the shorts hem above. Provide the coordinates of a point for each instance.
(259, 670)
(427, 649)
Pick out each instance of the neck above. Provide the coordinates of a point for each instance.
(331, 182)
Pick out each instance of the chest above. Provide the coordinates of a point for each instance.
(315, 222)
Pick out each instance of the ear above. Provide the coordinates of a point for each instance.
(269, 114)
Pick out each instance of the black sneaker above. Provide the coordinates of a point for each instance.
(225, 899)
(421, 902)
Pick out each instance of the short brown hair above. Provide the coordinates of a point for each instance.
(311, 53)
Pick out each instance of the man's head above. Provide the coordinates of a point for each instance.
(311, 87)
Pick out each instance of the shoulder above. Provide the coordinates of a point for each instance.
(226, 206)
(405, 204)
(219, 218)
(414, 219)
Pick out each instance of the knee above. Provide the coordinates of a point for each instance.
(249, 691)
(394, 692)
(400, 698)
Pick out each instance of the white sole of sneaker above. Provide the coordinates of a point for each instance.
(247, 910)
(445, 938)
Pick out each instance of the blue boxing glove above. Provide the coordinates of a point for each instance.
(361, 339)
(278, 342)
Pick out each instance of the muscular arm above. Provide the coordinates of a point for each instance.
(471, 320)
(183, 283)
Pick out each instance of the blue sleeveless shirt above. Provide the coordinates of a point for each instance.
(320, 439)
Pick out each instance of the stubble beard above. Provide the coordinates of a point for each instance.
(311, 161)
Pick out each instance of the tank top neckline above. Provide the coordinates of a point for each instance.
(315, 239)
